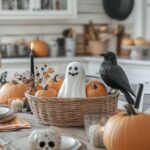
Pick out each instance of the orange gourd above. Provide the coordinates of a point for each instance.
(128, 131)
(95, 88)
(55, 83)
(33, 90)
(46, 92)
(40, 48)
(12, 90)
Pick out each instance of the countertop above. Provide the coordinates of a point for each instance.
(7, 61)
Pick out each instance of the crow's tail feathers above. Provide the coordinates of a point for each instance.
(128, 97)
(131, 91)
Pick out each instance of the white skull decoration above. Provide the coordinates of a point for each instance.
(45, 139)
(74, 82)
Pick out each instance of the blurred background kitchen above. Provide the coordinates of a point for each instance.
(68, 28)
(61, 31)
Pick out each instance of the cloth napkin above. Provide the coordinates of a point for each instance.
(14, 124)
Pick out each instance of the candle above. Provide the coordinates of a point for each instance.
(96, 135)
(32, 61)
(101, 144)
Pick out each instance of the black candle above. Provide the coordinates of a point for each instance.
(32, 63)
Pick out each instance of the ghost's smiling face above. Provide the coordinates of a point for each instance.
(73, 69)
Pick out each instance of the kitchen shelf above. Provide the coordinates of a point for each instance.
(86, 59)
(9, 10)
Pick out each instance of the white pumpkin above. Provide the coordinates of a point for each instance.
(45, 139)
(147, 111)
(74, 82)
(95, 135)
(17, 105)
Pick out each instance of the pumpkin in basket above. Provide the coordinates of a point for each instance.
(55, 83)
(40, 48)
(12, 90)
(95, 88)
(128, 131)
(46, 92)
(33, 90)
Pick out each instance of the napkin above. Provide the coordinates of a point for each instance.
(14, 124)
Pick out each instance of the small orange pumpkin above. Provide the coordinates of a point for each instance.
(46, 92)
(55, 83)
(33, 90)
(40, 48)
(12, 90)
(95, 88)
(127, 131)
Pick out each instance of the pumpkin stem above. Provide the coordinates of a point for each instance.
(46, 87)
(94, 86)
(55, 78)
(14, 82)
(130, 110)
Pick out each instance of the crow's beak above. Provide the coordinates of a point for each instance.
(102, 54)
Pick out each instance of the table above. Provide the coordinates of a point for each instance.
(79, 132)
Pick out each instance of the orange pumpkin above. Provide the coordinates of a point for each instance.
(55, 83)
(12, 90)
(40, 48)
(128, 131)
(33, 90)
(95, 88)
(46, 92)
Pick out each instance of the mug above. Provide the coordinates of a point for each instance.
(35, 4)
(70, 46)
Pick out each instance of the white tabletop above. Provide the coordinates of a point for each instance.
(6, 137)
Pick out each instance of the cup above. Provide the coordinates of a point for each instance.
(53, 49)
(35, 4)
(70, 46)
(94, 126)
(61, 46)
(97, 47)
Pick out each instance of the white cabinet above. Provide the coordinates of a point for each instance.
(37, 9)
(21, 65)
(136, 70)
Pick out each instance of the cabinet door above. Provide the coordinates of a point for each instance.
(37, 9)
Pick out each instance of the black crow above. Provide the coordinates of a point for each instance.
(115, 77)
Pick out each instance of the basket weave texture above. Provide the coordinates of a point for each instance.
(69, 112)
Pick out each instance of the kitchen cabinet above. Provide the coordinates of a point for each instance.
(37, 9)
(137, 70)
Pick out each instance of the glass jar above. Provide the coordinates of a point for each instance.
(94, 126)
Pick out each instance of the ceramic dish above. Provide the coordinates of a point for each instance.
(4, 110)
(68, 143)
(7, 117)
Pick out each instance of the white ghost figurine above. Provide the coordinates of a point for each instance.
(74, 82)
(45, 139)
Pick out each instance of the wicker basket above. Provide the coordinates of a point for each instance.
(70, 111)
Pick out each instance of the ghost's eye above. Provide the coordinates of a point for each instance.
(75, 68)
(70, 68)
(42, 144)
(51, 144)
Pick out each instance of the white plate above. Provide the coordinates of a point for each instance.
(3, 110)
(68, 143)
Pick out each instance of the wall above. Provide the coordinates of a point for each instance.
(87, 10)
